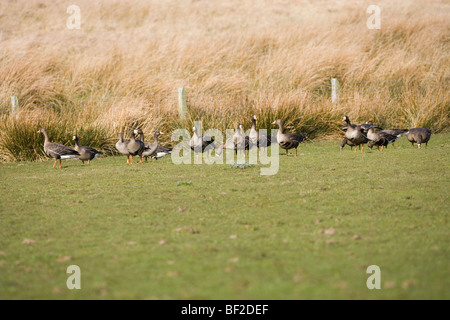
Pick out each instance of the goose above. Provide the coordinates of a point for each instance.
(149, 148)
(238, 142)
(57, 151)
(419, 136)
(255, 138)
(86, 153)
(200, 144)
(239, 139)
(355, 134)
(390, 134)
(135, 147)
(383, 142)
(153, 150)
(121, 146)
(380, 138)
(288, 140)
(345, 142)
(161, 151)
(252, 139)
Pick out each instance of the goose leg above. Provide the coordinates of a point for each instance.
(418, 146)
(296, 152)
(54, 165)
(362, 148)
(60, 163)
(131, 161)
(82, 161)
(89, 161)
(140, 156)
(393, 147)
(128, 159)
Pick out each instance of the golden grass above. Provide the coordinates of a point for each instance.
(122, 68)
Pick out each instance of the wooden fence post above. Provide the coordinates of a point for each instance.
(14, 104)
(335, 90)
(182, 103)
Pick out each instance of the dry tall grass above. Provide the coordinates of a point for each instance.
(122, 68)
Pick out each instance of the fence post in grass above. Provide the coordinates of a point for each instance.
(182, 103)
(334, 90)
(14, 104)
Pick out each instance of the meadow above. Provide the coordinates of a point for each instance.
(163, 231)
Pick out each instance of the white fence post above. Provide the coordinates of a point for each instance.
(182, 103)
(335, 90)
(14, 104)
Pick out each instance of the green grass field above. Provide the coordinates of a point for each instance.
(163, 231)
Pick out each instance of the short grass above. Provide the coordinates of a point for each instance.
(163, 231)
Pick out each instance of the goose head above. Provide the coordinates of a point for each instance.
(278, 122)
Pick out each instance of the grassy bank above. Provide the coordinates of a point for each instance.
(165, 231)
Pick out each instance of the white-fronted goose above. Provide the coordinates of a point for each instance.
(239, 139)
(86, 153)
(135, 147)
(56, 150)
(261, 140)
(288, 140)
(150, 148)
(237, 142)
(161, 151)
(345, 142)
(380, 142)
(200, 144)
(380, 138)
(355, 134)
(390, 134)
(154, 150)
(419, 136)
(121, 146)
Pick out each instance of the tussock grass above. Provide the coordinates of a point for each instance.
(121, 70)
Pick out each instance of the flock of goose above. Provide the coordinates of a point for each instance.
(359, 135)
(355, 135)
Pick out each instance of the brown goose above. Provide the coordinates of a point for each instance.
(200, 144)
(288, 140)
(419, 136)
(261, 140)
(237, 142)
(121, 146)
(345, 142)
(86, 153)
(355, 134)
(389, 134)
(154, 150)
(56, 150)
(380, 138)
(383, 142)
(135, 147)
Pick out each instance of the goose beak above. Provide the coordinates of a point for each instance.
(161, 132)
(273, 122)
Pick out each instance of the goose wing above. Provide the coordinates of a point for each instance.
(57, 150)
